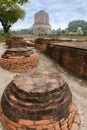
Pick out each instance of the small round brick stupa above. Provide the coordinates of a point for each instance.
(18, 57)
(14, 42)
(38, 101)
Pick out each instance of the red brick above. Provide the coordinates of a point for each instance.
(64, 127)
(62, 120)
(56, 125)
(0, 109)
(70, 121)
(26, 122)
(65, 121)
(73, 108)
(11, 127)
(42, 122)
(21, 129)
(77, 119)
(13, 99)
(38, 128)
(75, 127)
(10, 122)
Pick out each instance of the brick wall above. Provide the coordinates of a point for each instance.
(70, 123)
(19, 63)
(38, 101)
(73, 59)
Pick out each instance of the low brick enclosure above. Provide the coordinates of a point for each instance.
(38, 101)
(41, 43)
(19, 59)
(72, 58)
(72, 55)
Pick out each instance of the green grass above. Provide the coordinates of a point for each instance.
(3, 36)
(74, 36)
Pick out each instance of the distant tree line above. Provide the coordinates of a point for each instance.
(75, 24)
(72, 29)
(75, 27)
(22, 31)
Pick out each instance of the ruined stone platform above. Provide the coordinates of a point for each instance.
(18, 57)
(71, 54)
(38, 101)
(14, 42)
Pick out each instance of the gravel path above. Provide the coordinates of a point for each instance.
(77, 86)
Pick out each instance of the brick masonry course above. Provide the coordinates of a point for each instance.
(71, 54)
(38, 101)
(18, 57)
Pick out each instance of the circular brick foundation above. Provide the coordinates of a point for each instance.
(16, 42)
(38, 101)
(19, 59)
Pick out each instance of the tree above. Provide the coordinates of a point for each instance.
(21, 2)
(74, 25)
(10, 12)
(23, 31)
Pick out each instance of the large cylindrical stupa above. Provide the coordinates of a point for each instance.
(41, 22)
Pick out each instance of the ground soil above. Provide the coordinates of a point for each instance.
(77, 86)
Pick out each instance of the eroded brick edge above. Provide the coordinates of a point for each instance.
(71, 123)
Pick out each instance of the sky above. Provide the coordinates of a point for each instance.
(61, 12)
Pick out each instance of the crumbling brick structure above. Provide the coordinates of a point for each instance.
(15, 42)
(72, 58)
(41, 43)
(18, 57)
(38, 101)
(71, 54)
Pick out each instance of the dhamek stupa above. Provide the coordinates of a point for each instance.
(41, 23)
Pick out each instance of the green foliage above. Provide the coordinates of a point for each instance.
(74, 25)
(85, 33)
(21, 2)
(73, 36)
(42, 34)
(58, 32)
(22, 31)
(10, 12)
(3, 36)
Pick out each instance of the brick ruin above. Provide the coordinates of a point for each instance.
(41, 43)
(38, 101)
(18, 57)
(15, 42)
(71, 54)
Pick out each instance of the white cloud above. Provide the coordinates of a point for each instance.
(61, 12)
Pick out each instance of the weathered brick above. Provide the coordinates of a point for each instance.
(4, 118)
(42, 122)
(57, 126)
(62, 120)
(73, 108)
(77, 119)
(75, 127)
(26, 122)
(11, 127)
(38, 127)
(64, 126)
(36, 107)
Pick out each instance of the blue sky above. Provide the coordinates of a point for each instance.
(61, 12)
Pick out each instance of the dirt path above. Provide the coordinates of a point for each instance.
(77, 86)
